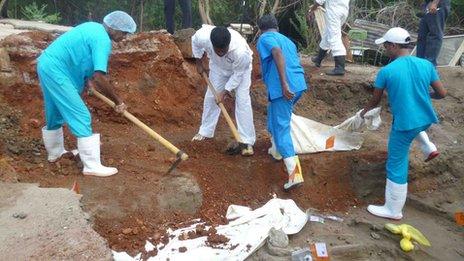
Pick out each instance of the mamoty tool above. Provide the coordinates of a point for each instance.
(229, 121)
(180, 155)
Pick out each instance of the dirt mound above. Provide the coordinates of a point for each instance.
(147, 71)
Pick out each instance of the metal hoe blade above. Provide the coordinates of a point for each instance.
(178, 160)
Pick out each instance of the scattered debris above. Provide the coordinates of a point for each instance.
(316, 219)
(127, 231)
(20, 215)
(303, 254)
(375, 235)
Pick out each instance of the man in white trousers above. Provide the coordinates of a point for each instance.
(230, 64)
(335, 16)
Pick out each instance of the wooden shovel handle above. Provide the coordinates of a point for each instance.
(223, 110)
(143, 126)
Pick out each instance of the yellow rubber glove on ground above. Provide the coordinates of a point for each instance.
(408, 232)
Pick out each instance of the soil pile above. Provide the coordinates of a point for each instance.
(147, 71)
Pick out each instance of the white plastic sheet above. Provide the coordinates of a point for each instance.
(311, 136)
(246, 233)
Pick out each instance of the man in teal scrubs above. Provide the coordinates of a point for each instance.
(406, 80)
(76, 58)
(285, 83)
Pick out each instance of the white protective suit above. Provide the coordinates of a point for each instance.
(230, 72)
(335, 16)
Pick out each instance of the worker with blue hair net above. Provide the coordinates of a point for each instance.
(78, 58)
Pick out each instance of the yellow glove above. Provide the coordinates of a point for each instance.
(408, 232)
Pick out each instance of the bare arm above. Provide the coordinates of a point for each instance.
(433, 6)
(439, 90)
(103, 84)
(374, 102)
(279, 59)
(199, 66)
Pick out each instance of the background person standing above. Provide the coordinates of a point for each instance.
(431, 29)
(335, 17)
(170, 10)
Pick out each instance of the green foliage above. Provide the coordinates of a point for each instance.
(36, 13)
(71, 12)
(456, 18)
(309, 34)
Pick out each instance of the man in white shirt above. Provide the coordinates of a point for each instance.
(230, 64)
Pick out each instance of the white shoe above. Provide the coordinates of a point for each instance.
(89, 152)
(198, 137)
(54, 143)
(429, 149)
(295, 176)
(273, 151)
(247, 150)
(395, 197)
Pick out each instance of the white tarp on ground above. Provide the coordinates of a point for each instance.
(247, 233)
(311, 136)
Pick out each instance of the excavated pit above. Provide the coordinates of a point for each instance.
(164, 90)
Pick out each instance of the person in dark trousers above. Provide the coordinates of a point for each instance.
(431, 29)
(4, 10)
(169, 11)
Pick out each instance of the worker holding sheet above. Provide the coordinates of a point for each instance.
(407, 80)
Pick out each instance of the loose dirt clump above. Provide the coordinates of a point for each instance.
(215, 240)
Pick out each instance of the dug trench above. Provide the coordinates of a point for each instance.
(164, 90)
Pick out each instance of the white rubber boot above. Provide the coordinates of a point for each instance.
(395, 197)
(54, 143)
(429, 149)
(89, 152)
(295, 176)
(273, 151)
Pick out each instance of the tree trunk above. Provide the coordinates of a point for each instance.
(275, 7)
(141, 15)
(203, 7)
(262, 8)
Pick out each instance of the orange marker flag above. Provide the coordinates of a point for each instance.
(330, 142)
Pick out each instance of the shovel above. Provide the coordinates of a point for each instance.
(239, 145)
(180, 155)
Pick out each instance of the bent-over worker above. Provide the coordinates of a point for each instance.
(230, 67)
(75, 57)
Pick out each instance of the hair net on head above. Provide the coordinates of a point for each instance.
(121, 21)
